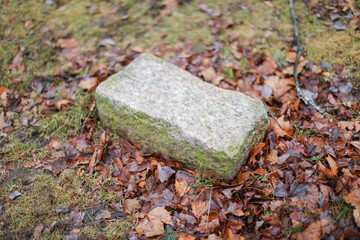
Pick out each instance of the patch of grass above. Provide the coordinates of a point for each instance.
(291, 231)
(40, 196)
(342, 209)
(43, 193)
(64, 124)
(115, 229)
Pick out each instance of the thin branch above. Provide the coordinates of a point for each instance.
(306, 100)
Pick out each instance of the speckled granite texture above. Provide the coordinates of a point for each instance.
(167, 110)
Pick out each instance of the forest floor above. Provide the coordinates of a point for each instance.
(62, 176)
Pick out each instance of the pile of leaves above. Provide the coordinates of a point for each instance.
(301, 182)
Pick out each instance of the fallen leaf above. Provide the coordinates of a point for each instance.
(279, 85)
(165, 173)
(14, 194)
(199, 208)
(3, 124)
(333, 165)
(312, 232)
(255, 151)
(208, 74)
(17, 63)
(290, 69)
(131, 205)
(281, 127)
(150, 228)
(170, 6)
(356, 144)
(354, 199)
(61, 103)
(103, 214)
(88, 83)
(327, 172)
(161, 214)
(291, 57)
(107, 42)
(37, 231)
(268, 67)
(181, 187)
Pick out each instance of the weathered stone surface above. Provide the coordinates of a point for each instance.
(167, 110)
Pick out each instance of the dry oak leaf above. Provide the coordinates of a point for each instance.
(268, 67)
(161, 214)
(150, 228)
(290, 69)
(199, 208)
(131, 205)
(181, 186)
(153, 224)
(281, 127)
(354, 199)
(279, 85)
(208, 74)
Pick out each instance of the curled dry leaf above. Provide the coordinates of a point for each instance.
(61, 103)
(208, 74)
(281, 127)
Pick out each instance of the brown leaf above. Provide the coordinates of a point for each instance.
(208, 74)
(354, 199)
(88, 83)
(312, 232)
(291, 57)
(37, 231)
(268, 67)
(255, 151)
(139, 158)
(150, 227)
(67, 43)
(281, 127)
(61, 103)
(279, 85)
(17, 63)
(199, 208)
(170, 6)
(3, 124)
(161, 214)
(165, 173)
(327, 172)
(290, 69)
(131, 205)
(103, 214)
(333, 165)
(181, 187)
(356, 144)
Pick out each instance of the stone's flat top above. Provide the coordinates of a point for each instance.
(220, 119)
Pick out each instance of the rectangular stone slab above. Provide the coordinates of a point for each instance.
(167, 110)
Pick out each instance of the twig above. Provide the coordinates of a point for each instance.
(91, 219)
(306, 100)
